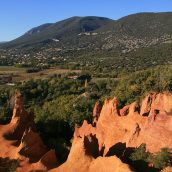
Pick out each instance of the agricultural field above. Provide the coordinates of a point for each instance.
(21, 74)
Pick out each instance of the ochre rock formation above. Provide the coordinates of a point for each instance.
(20, 142)
(96, 148)
(85, 130)
(31, 146)
(47, 162)
(21, 120)
(157, 101)
(110, 164)
(167, 169)
(84, 157)
(96, 112)
(148, 122)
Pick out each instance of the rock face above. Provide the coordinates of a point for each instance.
(20, 142)
(157, 101)
(95, 148)
(21, 120)
(110, 164)
(137, 124)
(31, 146)
(85, 130)
(84, 157)
(49, 160)
(96, 112)
(167, 169)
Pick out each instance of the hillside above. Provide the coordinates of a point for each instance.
(60, 31)
(97, 44)
(133, 31)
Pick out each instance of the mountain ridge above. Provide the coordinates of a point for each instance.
(125, 34)
(74, 25)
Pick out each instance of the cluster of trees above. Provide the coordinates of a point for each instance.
(134, 86)
(6, 94)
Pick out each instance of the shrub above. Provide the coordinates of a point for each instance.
(13, 166)
(140, 153)
(162, 159)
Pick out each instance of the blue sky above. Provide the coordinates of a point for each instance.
(18, 16)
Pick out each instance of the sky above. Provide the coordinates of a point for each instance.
(19, 16)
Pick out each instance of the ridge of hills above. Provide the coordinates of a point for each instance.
(60, 30)
(134, 42)
(142, 29)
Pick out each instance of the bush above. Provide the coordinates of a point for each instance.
(13, 166)
(162, 159)
(140, 156)
(140, 153)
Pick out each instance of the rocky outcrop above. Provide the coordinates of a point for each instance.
(137, 124)
(49, 160)
(31, 146)
(21, 119)
(96, 112)
(84, 157)
(20, 142)
(110, 164)
(124, 111)
(85, 130)
(96, 148)
(167, 169)
(156, 101)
